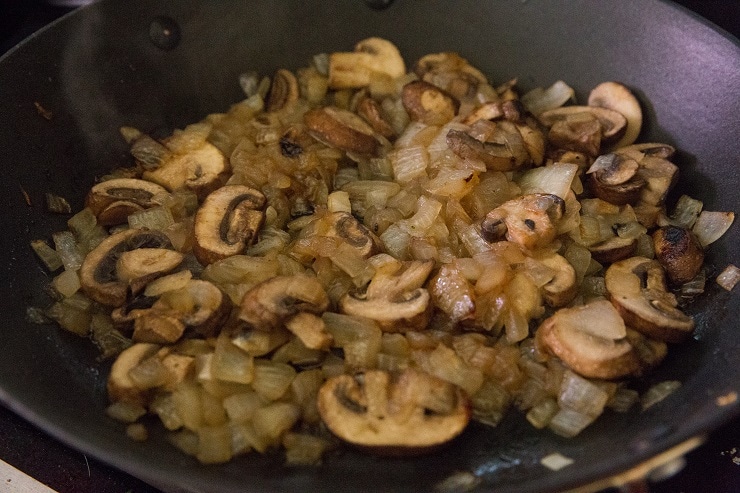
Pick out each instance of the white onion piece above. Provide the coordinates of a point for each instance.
(68, 250)
(538, 99)
(555, 178)
(711, 225)
(729, 277)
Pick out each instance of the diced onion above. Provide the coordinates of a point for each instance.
(729, 277)
(555, 178)
(539, 100)
(711, 225)
(47, 255)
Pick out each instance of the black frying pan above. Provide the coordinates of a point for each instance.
(110, 65)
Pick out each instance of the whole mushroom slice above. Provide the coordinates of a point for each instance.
(227, 222)
(342, 129)
(529, 220)
(617, 97)
(393, 414)
(98, 273)
(593, 341)
(201, 169)
(270, 303)
(112, 201)
(428, 104)
(394, 298)
(679, 252)
(372, 57)
(636, 287)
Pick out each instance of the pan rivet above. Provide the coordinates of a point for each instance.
(164, 32)
(378, 4)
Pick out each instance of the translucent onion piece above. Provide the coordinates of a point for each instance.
(57, 204)
(539, 100)
(48, 256)
(711, 225)
(68, 250)
(555, 178)
(729, 277)
(658, 392)
(155, 218)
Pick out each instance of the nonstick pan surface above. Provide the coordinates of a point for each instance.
(109, 65)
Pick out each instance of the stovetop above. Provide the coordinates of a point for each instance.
(712, 467)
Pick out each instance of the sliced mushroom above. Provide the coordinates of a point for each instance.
(679, 252)
(387, 414)
(98, 276)
(143, 262)
(371, 58)
(593, 341)
(372, 112)
(613, 249)
(346, 227)
(157, 327)
(636, 287)
(341, 129)
(394, 298)
(563, 287)
(283, 90)
(583, 128)
(617, 97)
(112, 201)
(615, 179)
(202, 170)
(428, 104)
(270, 303)
(500, 145)
(120, 386)
(529, 220)
(450, 72)
(227, 222)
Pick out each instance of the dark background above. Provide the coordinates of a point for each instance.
(713, 467)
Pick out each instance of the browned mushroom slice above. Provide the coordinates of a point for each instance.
(562, 288)
(139, 267)
(157, 327)
(394, 298)
(202, 170)
(283, 90)
(121, 387)
(583, 128)
(387, 414)
(653, 149)
(341, 129)
(346, 227)
(428, 104)
(112, 201)
(501, 146)
(371, 58)
(200, 305)
(613, 249)
(450, 72)
(617, 97)
(679, 252)
(529, 221)
(593, 341)
(615, 179)
(98, 276)
(270, 303)
(372, 112)
(636, 287)
(227, 222)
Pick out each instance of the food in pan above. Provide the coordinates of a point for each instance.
(362, 253)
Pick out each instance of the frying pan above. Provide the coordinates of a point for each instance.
(158, 65)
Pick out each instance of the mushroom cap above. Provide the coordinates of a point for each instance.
(408, 413)
(529, 220)
(636, 287)
(371, 57)
(120, 385)
(615, 96)
(227, 222)
(428, 104)
(201, 170)
(679, 252)
(342, 129)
